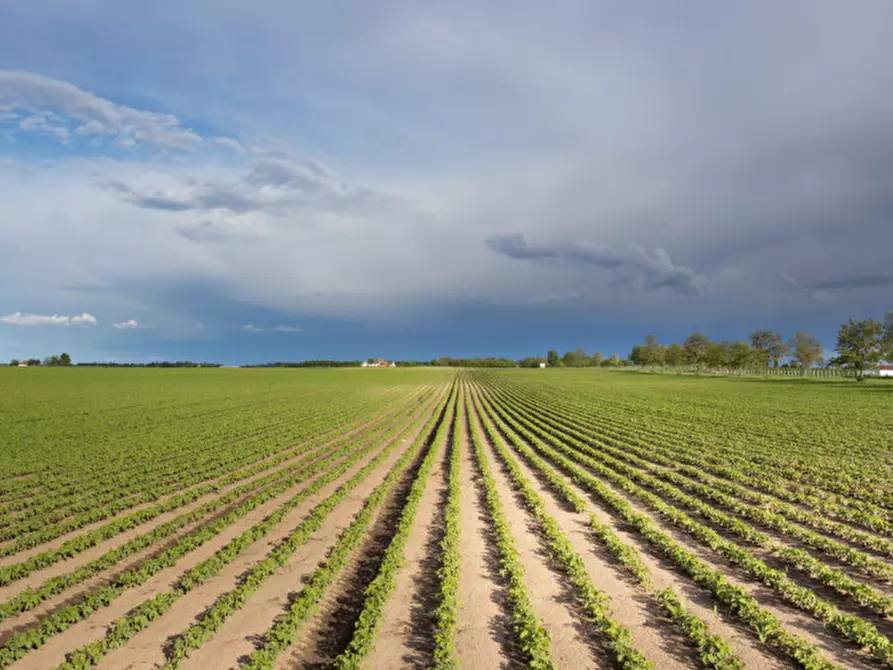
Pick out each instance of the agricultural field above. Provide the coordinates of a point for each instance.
(388, 518)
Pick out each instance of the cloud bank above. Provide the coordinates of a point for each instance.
(19, 319)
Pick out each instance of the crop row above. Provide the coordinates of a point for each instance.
(447, 612)
(596, 604)
(379, 590)
(281, 634)
(713, 650)
(862, 593)
(87, 540)
(672, 451)
(767, 628)
(31, 597)
(530, 632)
(848, 626)
(35, 636)
(98, 512)
(784, 481)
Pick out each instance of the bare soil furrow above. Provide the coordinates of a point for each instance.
(236, 638)
(573, 642)
(53, 652)
(406, 634)
(329, 629)
(793, 619)
(484, 636)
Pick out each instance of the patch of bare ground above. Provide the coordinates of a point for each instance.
(148, 648)
(484, 637)
(53, 652)
(354, 428)
(574, 644)
(406, 634)
(794, 620)
(330, 627)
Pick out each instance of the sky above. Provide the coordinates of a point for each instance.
(281, 180)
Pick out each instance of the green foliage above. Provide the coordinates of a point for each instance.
(860, 345)
(377, 593)
(805, 349)
(657, 464)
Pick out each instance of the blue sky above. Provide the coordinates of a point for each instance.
(288, 180)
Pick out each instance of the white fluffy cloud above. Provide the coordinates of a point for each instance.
(126, 325)
(19, 319)
(90, 114)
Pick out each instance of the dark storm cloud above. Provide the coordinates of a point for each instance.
(854, 282)
(654, 266)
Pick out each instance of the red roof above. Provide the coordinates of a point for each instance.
(885, 367)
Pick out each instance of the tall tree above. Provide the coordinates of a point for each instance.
(614, 360)
(571, 360)
(717, 355)
(888, 337)
(597, 358)
(552, 358)
(860, 345)
(769, 347)
(674, 355)
(696, 348)
(14, 362)
(741, 355)
(652, 353)
(64, 359)
(806, 350)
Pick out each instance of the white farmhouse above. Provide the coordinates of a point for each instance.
(885, 370)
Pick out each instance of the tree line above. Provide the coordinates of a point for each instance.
(861, 344)
(62, 359)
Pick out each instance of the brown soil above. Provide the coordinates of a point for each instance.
(794, 620)
(330, 627)
(406, 634)
(148, 648)
(484, 631)
(54, 650)
(552, 597)
(352, 429)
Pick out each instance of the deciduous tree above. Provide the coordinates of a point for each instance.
(696, 348)
(860, 345)
(806, 350)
